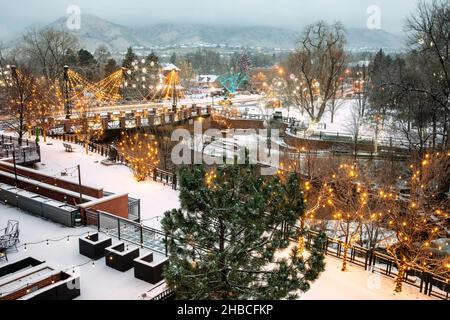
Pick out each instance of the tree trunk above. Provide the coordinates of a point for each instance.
(375, 142)
(301, 239)
(333, 107)
(21, 123)
(434, 131)
(86, 145)
(445, 135)
(344, 258)
(399, 280)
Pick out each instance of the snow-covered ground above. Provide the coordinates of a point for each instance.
(156, 198)
(357, 284)
(343, 122)
(97, 282)
(101, 282)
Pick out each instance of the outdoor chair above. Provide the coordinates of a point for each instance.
(11, 228)
(7, 242)
(9, 236)
(10, 241)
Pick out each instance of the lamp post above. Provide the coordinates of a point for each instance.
(174, 90)
(67, 89)
(212, 90)
(124, 83)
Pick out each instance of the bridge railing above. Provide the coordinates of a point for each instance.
(348, 138)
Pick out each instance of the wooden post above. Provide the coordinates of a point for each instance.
(15, 167)
(142, 237)
(79, 183)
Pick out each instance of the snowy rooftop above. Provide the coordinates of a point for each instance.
(97, 282)
(207, 78)
(156, 198)
(169, 67)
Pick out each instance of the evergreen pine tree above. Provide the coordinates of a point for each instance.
(152, 60)
(173, 58)
(110, 67)
(225, 241)
(130, 56)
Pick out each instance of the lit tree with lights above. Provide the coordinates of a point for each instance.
(87, 129)
(421, 219)
(140, 152)
(317, 64)
(44, 106)
(18, 91)
(224, 239)
(348, 197)
(187, 73)
(244, 67)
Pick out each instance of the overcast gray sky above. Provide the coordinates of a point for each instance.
(18, 14)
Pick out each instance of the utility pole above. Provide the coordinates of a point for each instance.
(174, 93)
(79, 184)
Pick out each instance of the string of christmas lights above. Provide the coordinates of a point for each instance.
(47, 242)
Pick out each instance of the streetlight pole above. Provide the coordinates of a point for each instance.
(174, 91)
(124, 83)
(212, 90)
(67, 89)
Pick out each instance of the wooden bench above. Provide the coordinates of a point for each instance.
(68, 147)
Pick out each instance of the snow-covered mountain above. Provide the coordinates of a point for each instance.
(95, 31)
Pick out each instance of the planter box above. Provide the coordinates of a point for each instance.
(68, 288)
(91, 247)
(60, 213)
(117, 257)
(148, 270)
(19, 265)
(30, 279)
(39, 205)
